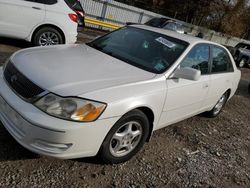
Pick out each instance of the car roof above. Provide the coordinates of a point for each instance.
(184, 37)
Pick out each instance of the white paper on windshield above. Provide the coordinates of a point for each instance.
(165, 42)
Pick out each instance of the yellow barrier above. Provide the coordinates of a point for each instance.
(101, 23)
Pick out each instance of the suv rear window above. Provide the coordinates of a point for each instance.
(242, 45)
(74, 4)
(156, 22)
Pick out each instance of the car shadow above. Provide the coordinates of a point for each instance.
(243, 88)
(90, 160)
(11, 150)
(15, 42)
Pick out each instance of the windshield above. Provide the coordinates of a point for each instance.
(147, 50)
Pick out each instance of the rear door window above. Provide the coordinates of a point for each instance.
(46, 2)
(221, 61)
(50, 2)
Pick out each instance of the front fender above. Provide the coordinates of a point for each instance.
(122, 99)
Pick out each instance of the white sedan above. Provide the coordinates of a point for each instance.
(106, 97)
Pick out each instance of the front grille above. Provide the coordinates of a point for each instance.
(20, 84)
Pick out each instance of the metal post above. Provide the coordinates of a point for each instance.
(140, 17)
(104, 10)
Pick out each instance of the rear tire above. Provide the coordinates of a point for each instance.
(126, 138)
(47, 36)
(218, 106)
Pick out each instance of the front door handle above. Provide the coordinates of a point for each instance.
(37, 8)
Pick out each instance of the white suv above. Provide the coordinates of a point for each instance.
(43, 22)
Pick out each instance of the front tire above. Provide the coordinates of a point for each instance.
(126, 138)
(218, 106)
(47, 36)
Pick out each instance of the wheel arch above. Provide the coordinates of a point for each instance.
(229, 92)
(47, 25)
(149, 114)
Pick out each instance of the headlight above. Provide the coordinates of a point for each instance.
(74, 109)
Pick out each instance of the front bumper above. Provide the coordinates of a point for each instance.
(47, 135)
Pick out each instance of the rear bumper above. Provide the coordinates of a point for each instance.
(47, 135)
(71, 38)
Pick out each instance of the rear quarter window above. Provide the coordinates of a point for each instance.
(74, 4)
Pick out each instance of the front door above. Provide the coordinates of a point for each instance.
(185, 97)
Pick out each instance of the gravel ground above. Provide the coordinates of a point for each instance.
(197, 152)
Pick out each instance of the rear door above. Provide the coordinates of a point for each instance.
(222, 75)
(19, 17)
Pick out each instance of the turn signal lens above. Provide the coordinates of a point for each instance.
(88, 112)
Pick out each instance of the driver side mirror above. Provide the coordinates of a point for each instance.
(187, 73)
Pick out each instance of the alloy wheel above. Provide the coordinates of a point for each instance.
(220, 104)
(125, 139)
(48, 39)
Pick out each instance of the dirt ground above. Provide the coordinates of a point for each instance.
(197, 152)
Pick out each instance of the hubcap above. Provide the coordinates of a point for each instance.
(48, 39)
(219, 104)
(126, 139)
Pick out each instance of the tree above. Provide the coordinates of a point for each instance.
(228, 16)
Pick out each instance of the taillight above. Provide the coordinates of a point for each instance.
(73, 17)
(82, 13)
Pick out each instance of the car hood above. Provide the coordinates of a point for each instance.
(71, 70)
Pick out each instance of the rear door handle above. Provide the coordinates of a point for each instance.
(37, 8)
(205, 86)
